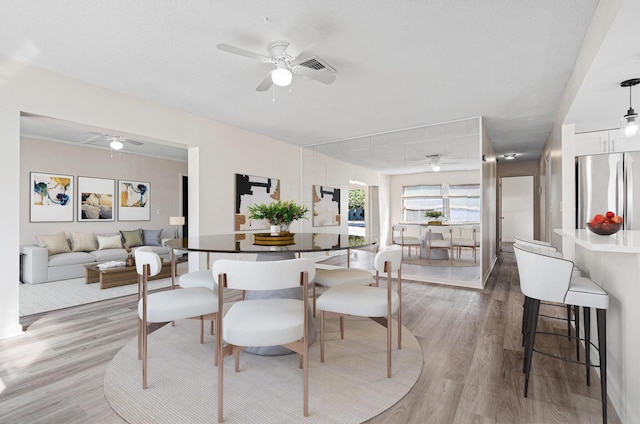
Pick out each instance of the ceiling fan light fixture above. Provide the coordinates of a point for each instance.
(281, 76)
(629, 123)
(435, 168)
(116, 145)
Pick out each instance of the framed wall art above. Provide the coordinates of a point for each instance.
(326, 206)
(95, 199)
(51, 198)
(251, 190)
(133, 201)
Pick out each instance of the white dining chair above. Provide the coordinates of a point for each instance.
(466, 238)
(400, 238)
(169, 305)
(263, 322)
(376, 302)
(444, 243)
(340, 276)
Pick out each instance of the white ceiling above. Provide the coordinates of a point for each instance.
(400, 64)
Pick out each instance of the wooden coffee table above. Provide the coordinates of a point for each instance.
(119, 276)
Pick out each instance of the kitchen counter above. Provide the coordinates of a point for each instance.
(621, 242)
(613, 262)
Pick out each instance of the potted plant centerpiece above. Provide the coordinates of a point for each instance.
(435, 217)
(278, 214)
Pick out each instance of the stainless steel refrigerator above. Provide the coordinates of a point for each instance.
(608, 182)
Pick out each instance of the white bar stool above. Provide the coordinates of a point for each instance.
(547, 278)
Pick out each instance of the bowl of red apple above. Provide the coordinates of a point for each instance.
(606, 224)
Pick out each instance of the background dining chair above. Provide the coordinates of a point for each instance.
(166, 306)
(263, 322)
(400, 238)
(548, 278)
(377, 302)
(443, 241)
(465, 238)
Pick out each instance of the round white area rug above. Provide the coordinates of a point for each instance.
(350, 387)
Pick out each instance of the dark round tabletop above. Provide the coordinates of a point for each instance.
(244, 243)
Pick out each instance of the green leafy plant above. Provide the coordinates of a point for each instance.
(356, 199)
(433, 214)
(278, 212)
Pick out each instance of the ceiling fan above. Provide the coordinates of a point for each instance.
(434, 161)
(282, 54)
(116, 142)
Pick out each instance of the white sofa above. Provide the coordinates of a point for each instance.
(43, 263)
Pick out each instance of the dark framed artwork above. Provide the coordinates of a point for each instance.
(134, 201)
(251, 190)
(95, 199)
(51, 197)
(326, 206)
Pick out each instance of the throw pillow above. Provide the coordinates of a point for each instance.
(132, 238)
(55, 243)
(109, 242)
(83, 242)
(152, 237)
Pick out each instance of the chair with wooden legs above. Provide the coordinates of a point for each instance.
(445, 242)
(340, 276)
(377, 303)
(466, 238)
(263, 322)
(547, 278)
(399, 237)
(166, 306)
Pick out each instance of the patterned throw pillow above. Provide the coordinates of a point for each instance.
(110, 242)
(83, 242)
(152, 237)
(55, 243)
(132, 238)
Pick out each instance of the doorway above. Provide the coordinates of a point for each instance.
(516, 209)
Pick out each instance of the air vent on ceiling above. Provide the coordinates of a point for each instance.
(316, 63)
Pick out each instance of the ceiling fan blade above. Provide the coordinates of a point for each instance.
(302, 39)
(243, 52)
(134, 142)
(265, 84)
(321, 76)
(92, 139)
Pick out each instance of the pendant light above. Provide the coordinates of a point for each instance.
(629, 123)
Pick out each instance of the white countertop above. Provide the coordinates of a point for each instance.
(622, 242)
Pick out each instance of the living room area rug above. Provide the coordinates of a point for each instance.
(45, 297)
(350, 387)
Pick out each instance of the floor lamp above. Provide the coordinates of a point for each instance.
(178, 221)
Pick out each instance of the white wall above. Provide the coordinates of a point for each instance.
(163, 175)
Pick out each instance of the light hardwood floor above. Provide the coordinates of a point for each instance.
(470, 338)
